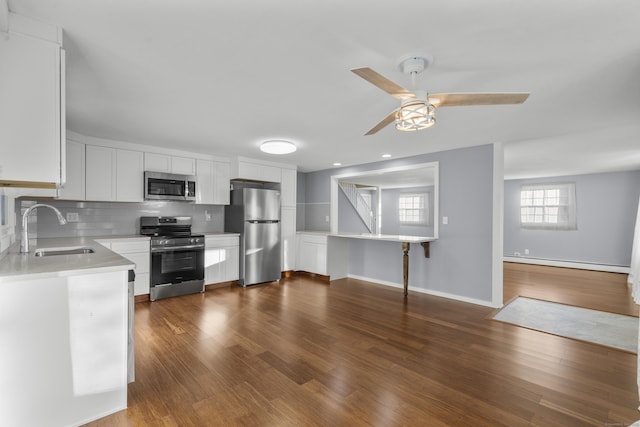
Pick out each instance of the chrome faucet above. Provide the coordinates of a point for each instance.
(24, 243)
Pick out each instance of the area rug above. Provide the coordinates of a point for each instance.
(599, 327)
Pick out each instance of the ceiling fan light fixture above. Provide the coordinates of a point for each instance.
(278, 146)
(415, 114)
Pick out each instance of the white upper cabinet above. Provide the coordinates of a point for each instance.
(114, 174)
(100, 173)
(221, 183)
(31, 105)
(288, 187)
(255, 170)
(204, 186)
(213, 182)
(74, 189)
(183, 165)
(129, 176)
(170, 164)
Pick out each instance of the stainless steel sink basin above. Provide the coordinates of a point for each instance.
(72, 250)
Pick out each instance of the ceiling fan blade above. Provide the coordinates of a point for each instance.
(383, 123)
(383, 83)
(460, 99)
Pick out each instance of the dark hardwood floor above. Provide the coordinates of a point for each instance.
(306, 353)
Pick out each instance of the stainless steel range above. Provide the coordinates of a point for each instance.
(177, 256)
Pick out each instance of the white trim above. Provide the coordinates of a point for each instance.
(497, 235)
(569, 264)
(426, 291)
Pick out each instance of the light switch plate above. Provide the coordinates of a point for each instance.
(73, 217)
(445, 220)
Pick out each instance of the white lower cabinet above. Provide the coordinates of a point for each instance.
(312, 253)
(322, 254)
(221, 258)
(136, 250)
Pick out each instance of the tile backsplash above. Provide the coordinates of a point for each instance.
(115, 219)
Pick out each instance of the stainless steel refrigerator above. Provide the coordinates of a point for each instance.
(255, 214)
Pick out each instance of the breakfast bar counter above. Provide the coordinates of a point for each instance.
(405, 241)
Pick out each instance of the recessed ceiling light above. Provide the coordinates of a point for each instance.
(278, 146)
(385, 156)
(337, 164)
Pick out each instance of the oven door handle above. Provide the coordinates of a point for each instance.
(176, 248)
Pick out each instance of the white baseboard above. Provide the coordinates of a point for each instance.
(569, 264)
(426, 291)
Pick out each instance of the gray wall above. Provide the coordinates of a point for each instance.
(113, 219)
(607, 205)
(460, 263)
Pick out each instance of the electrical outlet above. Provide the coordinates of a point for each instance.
(445, 220)
(326, 218)
(526, 251)
(73, 217)
(207, 216)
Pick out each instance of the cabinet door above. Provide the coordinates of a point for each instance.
(258, 172)
(100, 173)
(31, 117)
(221, 179)
(288, 187)
(288, 219)
(157, 162)
(74, 187)
(312, 254)
(129, 176)
(204, 188)
(232, 264)
(183, 165)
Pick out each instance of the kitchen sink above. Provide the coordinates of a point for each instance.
(70, 250)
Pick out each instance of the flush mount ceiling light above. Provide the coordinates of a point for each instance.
(278, 146)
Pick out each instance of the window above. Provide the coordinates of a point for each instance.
(413, 209)
(550, 206)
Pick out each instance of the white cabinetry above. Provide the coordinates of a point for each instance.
(288, 187)
(136, 250)
(101, 173)
(74, 189)
(221, 258)
(129, 176)
(68, 350)
(32, 114)
(321, 254)
(244, 168)
(213, 182)
(221, 172)
(169, 164)
(113, 174)
(288, 228)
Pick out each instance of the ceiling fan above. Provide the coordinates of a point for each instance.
(417, 108)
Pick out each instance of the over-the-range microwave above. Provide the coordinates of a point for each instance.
(168, 186)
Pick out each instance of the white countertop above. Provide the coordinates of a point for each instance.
(384, 237)
(372, 236)
(17, 266)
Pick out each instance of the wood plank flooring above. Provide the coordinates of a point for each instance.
(305, 353)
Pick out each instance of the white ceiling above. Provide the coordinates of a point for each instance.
(220, 76)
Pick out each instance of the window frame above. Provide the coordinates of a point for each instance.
(548, 206)
(422, 212)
